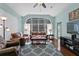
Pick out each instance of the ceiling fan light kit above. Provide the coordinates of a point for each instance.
(41, 4)
(35, 5)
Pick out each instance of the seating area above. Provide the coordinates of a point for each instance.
(13, 46)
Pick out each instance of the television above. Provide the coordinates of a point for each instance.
(73, 27)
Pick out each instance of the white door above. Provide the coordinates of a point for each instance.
(59, 29)
(59, 33)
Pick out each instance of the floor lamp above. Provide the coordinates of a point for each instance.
(3, 26)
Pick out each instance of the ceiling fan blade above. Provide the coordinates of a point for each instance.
(35, 5)
(43, 5)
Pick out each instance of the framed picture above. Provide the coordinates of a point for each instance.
(77, 14)
(74, 15)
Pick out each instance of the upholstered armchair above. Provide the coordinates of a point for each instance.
(14, 40)
(7, 51)
(11, 51)
(17, 37)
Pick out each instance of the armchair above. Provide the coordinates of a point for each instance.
(6, 48)
(11, 51)
(17, 37)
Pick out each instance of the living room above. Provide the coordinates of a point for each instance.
(38, 26)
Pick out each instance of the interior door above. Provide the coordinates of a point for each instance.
(59, 33)
(59, 29)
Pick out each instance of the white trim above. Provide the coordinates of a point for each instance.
(59, 48)
(59, 44)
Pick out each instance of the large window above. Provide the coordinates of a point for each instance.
(38, 24)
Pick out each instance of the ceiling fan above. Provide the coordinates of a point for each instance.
(41, 4)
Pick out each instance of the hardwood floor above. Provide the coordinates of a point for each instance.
(64, 51)
(67, 52)
(54, 42)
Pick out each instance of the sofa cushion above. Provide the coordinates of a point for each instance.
(38, 37)
(12, 43)
(8, 52)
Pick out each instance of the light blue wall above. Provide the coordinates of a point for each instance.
(22, 24)
(64, 18)
(6, 8)
(9, 10)
(13, 21)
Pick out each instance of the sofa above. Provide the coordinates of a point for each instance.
(8, 48)
(17, 37)
(38, 37)
(11, 51)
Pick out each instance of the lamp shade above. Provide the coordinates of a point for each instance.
(7, 29)
(1, 26)
(3, 17)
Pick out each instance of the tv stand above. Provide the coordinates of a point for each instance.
(72, 45)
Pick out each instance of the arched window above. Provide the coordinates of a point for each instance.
(38, 24)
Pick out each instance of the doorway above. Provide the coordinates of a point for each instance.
(59, 33)
(59, 30)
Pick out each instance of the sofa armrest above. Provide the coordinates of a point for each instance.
(12, 43)
(8, 52)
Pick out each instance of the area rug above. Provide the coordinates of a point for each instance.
(40, 50)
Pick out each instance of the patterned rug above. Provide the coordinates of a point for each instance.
(40, 50)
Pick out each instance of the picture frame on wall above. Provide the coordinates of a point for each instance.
(74, 15)
(77, 13)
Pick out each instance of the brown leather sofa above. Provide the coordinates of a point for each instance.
(16, 36)
(8, 48)
(12, 43)
(11, 51)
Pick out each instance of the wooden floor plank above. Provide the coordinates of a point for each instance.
(67, 52)
(63, 50)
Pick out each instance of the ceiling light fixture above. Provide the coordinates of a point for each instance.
(41, 4)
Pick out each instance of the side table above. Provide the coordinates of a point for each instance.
(50, 37)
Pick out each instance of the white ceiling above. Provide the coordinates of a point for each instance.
(27, 8)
